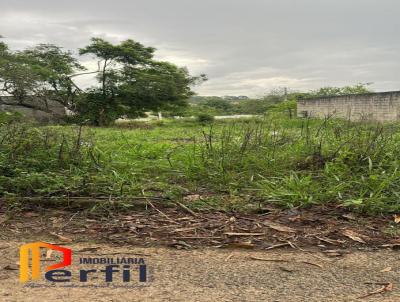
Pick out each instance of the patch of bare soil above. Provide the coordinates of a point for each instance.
(210, 274)
(298, 255)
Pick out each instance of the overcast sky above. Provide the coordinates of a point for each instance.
(246, 47)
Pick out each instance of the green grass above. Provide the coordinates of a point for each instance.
(233, 165)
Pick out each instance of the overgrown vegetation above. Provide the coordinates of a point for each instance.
(243, 163)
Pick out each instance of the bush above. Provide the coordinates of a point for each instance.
(37, 161)
(10, 117)
(204, 118)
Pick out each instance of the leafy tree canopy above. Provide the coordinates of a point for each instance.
(132, 82)
(43, 71)
(338, 91)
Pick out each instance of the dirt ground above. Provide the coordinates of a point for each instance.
(211, 274)
(324, 229)
(311, 255)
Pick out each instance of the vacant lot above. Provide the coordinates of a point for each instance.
(240, 165)
(323, 193)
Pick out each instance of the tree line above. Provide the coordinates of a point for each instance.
(277, 100)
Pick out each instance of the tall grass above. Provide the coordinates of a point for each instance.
(302, 162)
(289, 162)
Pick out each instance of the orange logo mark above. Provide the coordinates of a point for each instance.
(34, 249)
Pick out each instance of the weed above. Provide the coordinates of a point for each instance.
(288, 162)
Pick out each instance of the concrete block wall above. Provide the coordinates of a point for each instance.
(380, 106)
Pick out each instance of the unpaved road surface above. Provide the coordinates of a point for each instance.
(217, 275)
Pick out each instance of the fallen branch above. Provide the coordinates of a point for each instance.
(186, 208)
(270, 260)
(312, 263)
(163, 214)
(229, 257)
(278, 245)
(80, 201)
(244, 234)
(197, 237)
(283, 260)
(386, 287)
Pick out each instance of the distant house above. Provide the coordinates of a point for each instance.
(380, 106)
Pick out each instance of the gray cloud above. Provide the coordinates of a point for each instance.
(245, 46)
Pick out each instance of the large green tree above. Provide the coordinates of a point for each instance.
(43, 71)
(58, 68)
(132, 82)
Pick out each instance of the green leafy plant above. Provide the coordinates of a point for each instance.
(204, 118)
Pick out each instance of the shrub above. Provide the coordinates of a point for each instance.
(204, 118)
(10, 117)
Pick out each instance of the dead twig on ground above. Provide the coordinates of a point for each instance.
(386, 287)
(197, 237)
(229, 257)
(163, 214)
(285, 260)
(243, 234)
(277, 246)
(269, 260)
(186, 208)
(312, 263)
